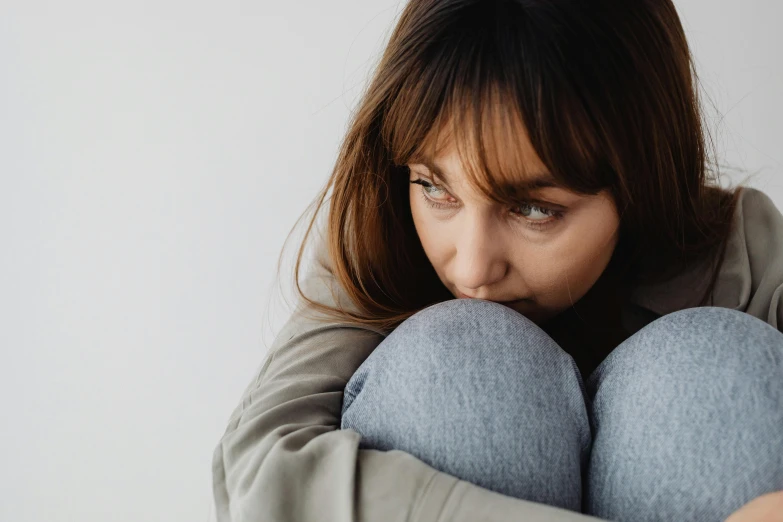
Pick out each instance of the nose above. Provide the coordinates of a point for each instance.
(480, 259)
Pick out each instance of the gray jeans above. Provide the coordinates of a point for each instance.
(682, 421)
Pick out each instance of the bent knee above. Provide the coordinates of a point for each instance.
(456, 342)
(703, 348)
(465, 330)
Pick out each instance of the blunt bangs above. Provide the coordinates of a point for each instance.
(497, 95)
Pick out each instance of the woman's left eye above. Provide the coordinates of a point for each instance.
(528, 209)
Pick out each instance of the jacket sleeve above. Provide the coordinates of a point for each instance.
(751, 279)
(283, 457)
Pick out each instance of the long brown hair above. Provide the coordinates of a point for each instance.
(605, 91)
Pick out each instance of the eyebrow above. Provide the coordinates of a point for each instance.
(539, 180)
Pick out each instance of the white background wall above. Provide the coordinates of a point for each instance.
(153, 157)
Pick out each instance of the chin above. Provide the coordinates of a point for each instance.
(537, 315)
(532, 313)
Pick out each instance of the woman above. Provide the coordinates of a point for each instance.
(616, 348)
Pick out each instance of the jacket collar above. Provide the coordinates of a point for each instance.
(684, 290)
(732, 286)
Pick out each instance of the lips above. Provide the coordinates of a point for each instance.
(463, 296)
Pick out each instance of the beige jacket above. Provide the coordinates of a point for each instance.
(283, 457)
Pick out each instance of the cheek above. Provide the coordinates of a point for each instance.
(591, 241)
(574, 266)
(418, 216)
(424, 225)
(435, 239)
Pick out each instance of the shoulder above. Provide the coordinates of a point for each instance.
(757, 208)
(757, 232)
(751, 275)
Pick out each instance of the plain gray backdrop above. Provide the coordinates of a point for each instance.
(153, 157)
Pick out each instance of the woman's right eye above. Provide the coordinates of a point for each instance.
(431, 188)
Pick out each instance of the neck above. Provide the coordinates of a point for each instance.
(592, 327)
(599, 309)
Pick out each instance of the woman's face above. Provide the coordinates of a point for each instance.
(544, 255)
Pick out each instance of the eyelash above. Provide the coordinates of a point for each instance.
(539, 226)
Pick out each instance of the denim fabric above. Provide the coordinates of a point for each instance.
(682, 421)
